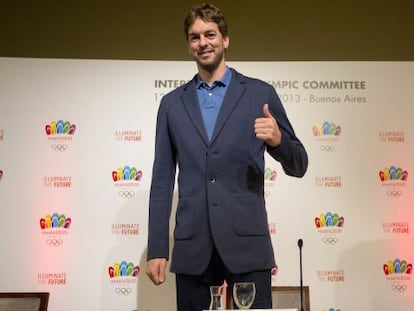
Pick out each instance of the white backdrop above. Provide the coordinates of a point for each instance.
(76, 150)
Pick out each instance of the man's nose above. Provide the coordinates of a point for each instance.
(203, 40)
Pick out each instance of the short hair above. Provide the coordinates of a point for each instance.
(209, 13)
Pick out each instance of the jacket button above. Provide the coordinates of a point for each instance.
(212, 179)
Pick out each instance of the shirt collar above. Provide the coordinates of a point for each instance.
(224, 81)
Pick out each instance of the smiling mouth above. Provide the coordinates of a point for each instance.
(204, 53)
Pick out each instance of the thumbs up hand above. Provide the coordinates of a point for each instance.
(267, 129)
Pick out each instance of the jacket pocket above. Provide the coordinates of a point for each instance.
(249, 215)
(185, 219)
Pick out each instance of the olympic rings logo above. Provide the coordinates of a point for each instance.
(123, 291)
(54, 242)
(400, 288)
(328, 148)
(330, 240)
(126, 194)
(59, 147)
(394, 193)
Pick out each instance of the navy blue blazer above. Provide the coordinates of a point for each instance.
(220, 182)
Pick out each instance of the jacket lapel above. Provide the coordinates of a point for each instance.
(190, 101)
(234, 92)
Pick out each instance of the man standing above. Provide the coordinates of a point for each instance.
(216, 129)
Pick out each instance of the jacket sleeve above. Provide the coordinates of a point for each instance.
(162, 187)
(290, 153)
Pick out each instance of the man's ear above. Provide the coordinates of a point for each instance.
(226, 41)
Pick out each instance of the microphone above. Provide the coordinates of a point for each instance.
(300, 244)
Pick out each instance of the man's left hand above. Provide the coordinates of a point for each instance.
(267, 129)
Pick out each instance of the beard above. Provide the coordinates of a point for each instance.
(210, 65)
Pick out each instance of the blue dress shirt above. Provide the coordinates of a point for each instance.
(210, 99)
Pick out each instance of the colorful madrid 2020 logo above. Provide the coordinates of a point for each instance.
(126, 179)
(398, 272)
(55, 228)
(397, 266)
(60, 133)
(270, 179)
(394, 178)
(272, 228)
(270, 175)
(330, 226)
(123, 275)
(327, 133)
(393, 174)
